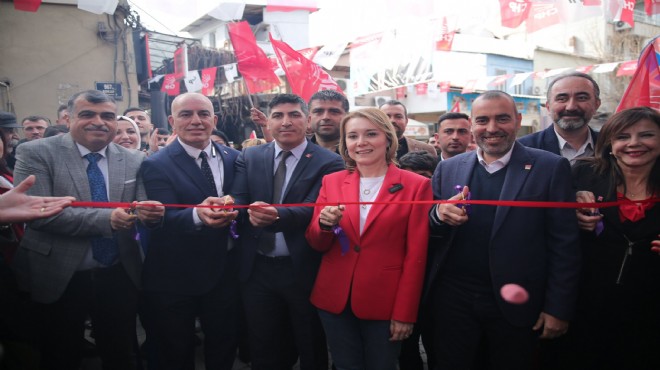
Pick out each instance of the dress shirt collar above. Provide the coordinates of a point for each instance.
(297, 151)
(194, 152)
(84, 151)
(497, 164)
(563, 143)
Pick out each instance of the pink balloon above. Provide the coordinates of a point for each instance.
(514, 294)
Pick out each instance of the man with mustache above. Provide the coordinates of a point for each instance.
(278, 267)
(398, 115)
(9, 129)
(326, 110)
(85, 261)
(573, 99)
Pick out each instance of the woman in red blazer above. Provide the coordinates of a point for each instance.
(370, 280)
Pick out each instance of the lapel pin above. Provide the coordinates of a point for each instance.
(528, 167)
(308, 155)
(600, 198)
(224, 151)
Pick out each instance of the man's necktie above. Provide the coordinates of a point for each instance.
(208, 174)
(104, 250)
(267, 243)
(280, 176)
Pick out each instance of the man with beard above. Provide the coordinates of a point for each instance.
(398, 115)
(326, 110)
(573, 98)
(482, 248)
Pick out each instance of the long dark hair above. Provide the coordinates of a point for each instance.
(604, 162)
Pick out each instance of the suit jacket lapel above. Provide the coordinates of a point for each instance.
(550, 141)
(227, 168)
(305, 159)
(181, 158)
(350, 192)
(76, 167)
(517, 171)
(268, 160)
(393, 176)
(116, 173)
(460, 175)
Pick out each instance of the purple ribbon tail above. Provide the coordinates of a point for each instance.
(343, 239)
(232, 230)
(599, 227)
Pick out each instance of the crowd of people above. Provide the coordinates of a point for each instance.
(321, 244)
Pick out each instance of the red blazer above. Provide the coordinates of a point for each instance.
(383, 271)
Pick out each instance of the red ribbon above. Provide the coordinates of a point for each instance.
(499, 203)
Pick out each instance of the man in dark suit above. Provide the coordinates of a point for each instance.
(84, 261)
(485, 248)
(277, 265)
(573, 99)
(189, 270)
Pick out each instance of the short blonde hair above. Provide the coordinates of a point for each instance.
(380, 120)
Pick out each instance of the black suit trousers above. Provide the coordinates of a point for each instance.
(281, 320)
(109, 297)
(172, 323)
(467, 322)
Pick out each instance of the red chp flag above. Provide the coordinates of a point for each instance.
(456, 108)
(208, 80)
(305, 77)
(514, 12)
(171, 85)
(446, 37)
(627, 12)
(650, 6)
(644, 87)
(253, 64)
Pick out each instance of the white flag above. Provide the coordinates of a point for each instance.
(231, 73)
(193, 81)
(229, 11)
(604, 68)
(98, 6)
(328, 55)
(519, 78)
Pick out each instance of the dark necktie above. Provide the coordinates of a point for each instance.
(267, 242)
(280, 176)
(208, 174)
(104, 250)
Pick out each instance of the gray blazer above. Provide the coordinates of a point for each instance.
(54, 247)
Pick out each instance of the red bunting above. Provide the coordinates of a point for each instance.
(591, 2)
(627, 68)
(171, 85)
(652, 7)
(584, 69)
(446, 37)
(253, 64)
(628, 12)
(499, 80)
(644, 87)
(291, 5)
(305, 77)
(514, 12)
(444, 86)
(27, 5)
(421, 89)
(208, 80)
(400, 92)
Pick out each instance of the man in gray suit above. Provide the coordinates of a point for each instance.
(85, 261)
